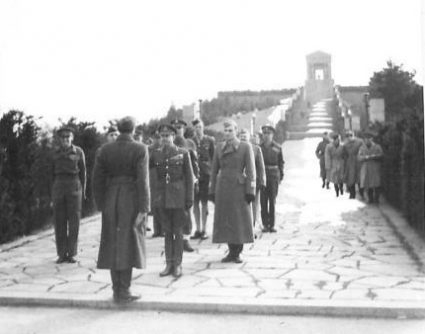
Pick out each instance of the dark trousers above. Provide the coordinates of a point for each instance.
(121, 281)
(173, 221)
(373, 195)
(352, 190)
(67, 196)
(157, 228)
(339, 188)
(268, 201)
(235, 249)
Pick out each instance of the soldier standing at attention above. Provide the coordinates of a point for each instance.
(157, 228)
(189, 145)
(273, 161)
(173, 195)
(260, 171)
(69, 186)
(121, 191)
(233, 190)
(205, 149)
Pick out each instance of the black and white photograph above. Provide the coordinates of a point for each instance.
(212, 166)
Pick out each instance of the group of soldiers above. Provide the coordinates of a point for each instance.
(167, 179)
(353, 162)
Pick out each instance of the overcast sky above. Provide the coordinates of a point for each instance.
(102, 59)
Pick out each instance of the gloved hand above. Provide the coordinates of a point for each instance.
(211, 197)
(249, 198)
(188, 205)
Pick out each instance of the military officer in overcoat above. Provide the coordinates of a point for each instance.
(232, 189)
(273, 161)
(173, 195)
(189, 145)
(68, 169)
(205, 150)
(121, 192)
(157, 227)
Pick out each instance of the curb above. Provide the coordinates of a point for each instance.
(343, 308)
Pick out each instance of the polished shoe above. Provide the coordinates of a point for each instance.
(178, 271)
(197, 235)
(228, 258)
(167, 271)
(127, 297)
(265, 230)
(272, 230)
(61, 259)
(71, 259)
(237, 259)
(204, 235)
(187, 247)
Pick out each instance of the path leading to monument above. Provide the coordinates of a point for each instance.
(330, 256)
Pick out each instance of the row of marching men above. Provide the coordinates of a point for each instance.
(353, 162)
(169, 178)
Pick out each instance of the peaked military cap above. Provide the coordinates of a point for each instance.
(268, 127)
(65, 128)
(178, 122)
(167, 127)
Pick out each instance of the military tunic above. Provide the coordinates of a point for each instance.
(261, 180)
(232, 177)
(273, 161)
(68, 168)
(320, 154)
(205, 150)
(173, 196)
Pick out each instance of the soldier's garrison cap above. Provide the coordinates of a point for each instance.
(196, 121)
(111, 129)
(126, 124)
(176, 121)
(167, 128)
(268, 127)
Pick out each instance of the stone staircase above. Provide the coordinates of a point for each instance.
(317, 121)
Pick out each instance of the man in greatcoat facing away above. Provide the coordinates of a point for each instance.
(173, 196)
(320, 154)
(232, 189)
(121, 191)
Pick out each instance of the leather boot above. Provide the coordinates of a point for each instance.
(370, 195)
(169, 268)
(125, 295)
(187, 247)
(341, 189)
(336, 190)
(178, 271)
(115, 278)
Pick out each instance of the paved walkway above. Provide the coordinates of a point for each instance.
(331, 256)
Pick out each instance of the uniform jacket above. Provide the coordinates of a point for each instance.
(232, 176)
(189, 145)
(259, 166)
(175, 180)
(205, 149)
(334, 163)
(273, 161)
(351, 163)
(320, 154)
(370, 165)
(121, 191)
(70, 161)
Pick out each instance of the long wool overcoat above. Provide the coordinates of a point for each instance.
(370, 169)
(334, 162)
(121, 191)
(352, 165)
(232, 176)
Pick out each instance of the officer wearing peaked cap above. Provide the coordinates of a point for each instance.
(173, 195)
(273, 161)
(68, 167)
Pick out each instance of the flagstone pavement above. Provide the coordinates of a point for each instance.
(327, 252)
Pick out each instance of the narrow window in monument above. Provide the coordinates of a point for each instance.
(318, 74)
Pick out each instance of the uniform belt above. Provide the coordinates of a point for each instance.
(122, 179)
(272, 167)
(66, 177)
